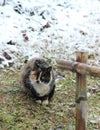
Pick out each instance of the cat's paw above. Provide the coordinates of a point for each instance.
(39, 101)
(45, 102)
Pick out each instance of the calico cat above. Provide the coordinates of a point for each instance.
(37, 79)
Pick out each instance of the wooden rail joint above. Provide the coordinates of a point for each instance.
(74, 66)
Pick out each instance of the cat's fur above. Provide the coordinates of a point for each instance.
(37, 79)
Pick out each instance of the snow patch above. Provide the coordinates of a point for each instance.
(73, 25)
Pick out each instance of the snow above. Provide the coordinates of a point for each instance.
(73, 26)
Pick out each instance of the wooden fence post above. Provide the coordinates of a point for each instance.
(81, 69)
(81, 95)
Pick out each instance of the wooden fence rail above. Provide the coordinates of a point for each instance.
(81, 69)
(78, 67)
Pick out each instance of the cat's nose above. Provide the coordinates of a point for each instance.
(37, 81)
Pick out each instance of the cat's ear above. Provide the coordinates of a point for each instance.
(37, 63)
(49, 68)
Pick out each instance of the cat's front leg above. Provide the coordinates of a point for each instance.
(43, 102)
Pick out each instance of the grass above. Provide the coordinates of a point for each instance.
(20, 112)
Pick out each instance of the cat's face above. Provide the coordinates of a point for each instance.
(43, 75)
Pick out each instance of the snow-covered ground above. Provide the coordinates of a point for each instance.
(49, 28)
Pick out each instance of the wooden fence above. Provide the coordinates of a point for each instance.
(82, 70)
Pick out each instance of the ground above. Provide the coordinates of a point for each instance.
(18, 111)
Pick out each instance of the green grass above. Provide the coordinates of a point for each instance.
(20, 112)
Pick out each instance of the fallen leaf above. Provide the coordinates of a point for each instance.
(7, 56)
